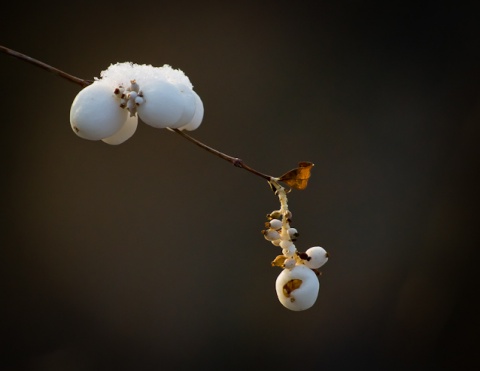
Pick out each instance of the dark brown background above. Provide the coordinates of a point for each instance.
(149, 256)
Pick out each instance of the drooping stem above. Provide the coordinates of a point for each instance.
(83, 83)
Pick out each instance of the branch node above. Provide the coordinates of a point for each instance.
(237, 162)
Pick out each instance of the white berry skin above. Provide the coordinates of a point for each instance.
(318, 257)
(292, 232)
(163, 104)
(197, 117)
(289, 263)
(300, 298)
(125, 132)
(289, 251)
(276, 224)
(189, 103)
(285, 244)
(271, 235)
(95, 113)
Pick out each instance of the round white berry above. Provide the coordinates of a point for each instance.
(293, 232)
(289, 251)
(95, 113)
(198, 115)
(318, 257)
(275, 224)
(285, 244)
(271, 234)
(125, 132)
(289, 263)
(297, 288)
(163, 104)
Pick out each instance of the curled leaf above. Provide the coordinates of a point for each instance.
(298, 178)
(278, 261)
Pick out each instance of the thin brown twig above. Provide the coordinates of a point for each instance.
(83, 83)
(45, 66)
(234, 160)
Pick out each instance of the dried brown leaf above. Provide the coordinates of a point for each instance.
(278, 261)
(298, 178)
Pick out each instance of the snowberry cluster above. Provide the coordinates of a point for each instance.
(109, 108)
(297, 285)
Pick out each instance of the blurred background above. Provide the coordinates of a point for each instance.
(149, 256)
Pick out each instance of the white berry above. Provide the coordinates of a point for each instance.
(198, 115)
(163, 104)
(125, 132)
(275, 224)
(271, 235)
(95, 113)
(289, 263)
(318, 257)
(293, 232)
(297, 288)
(285, 244)
(289, 251)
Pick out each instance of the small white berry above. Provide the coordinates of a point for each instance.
(285, 244)
(290, 251)
(275, 224)
(318, 257)
(271, 234)
(293, 232)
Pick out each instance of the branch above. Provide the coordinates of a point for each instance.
(234, 160)
(35, 62)
(83, 83)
